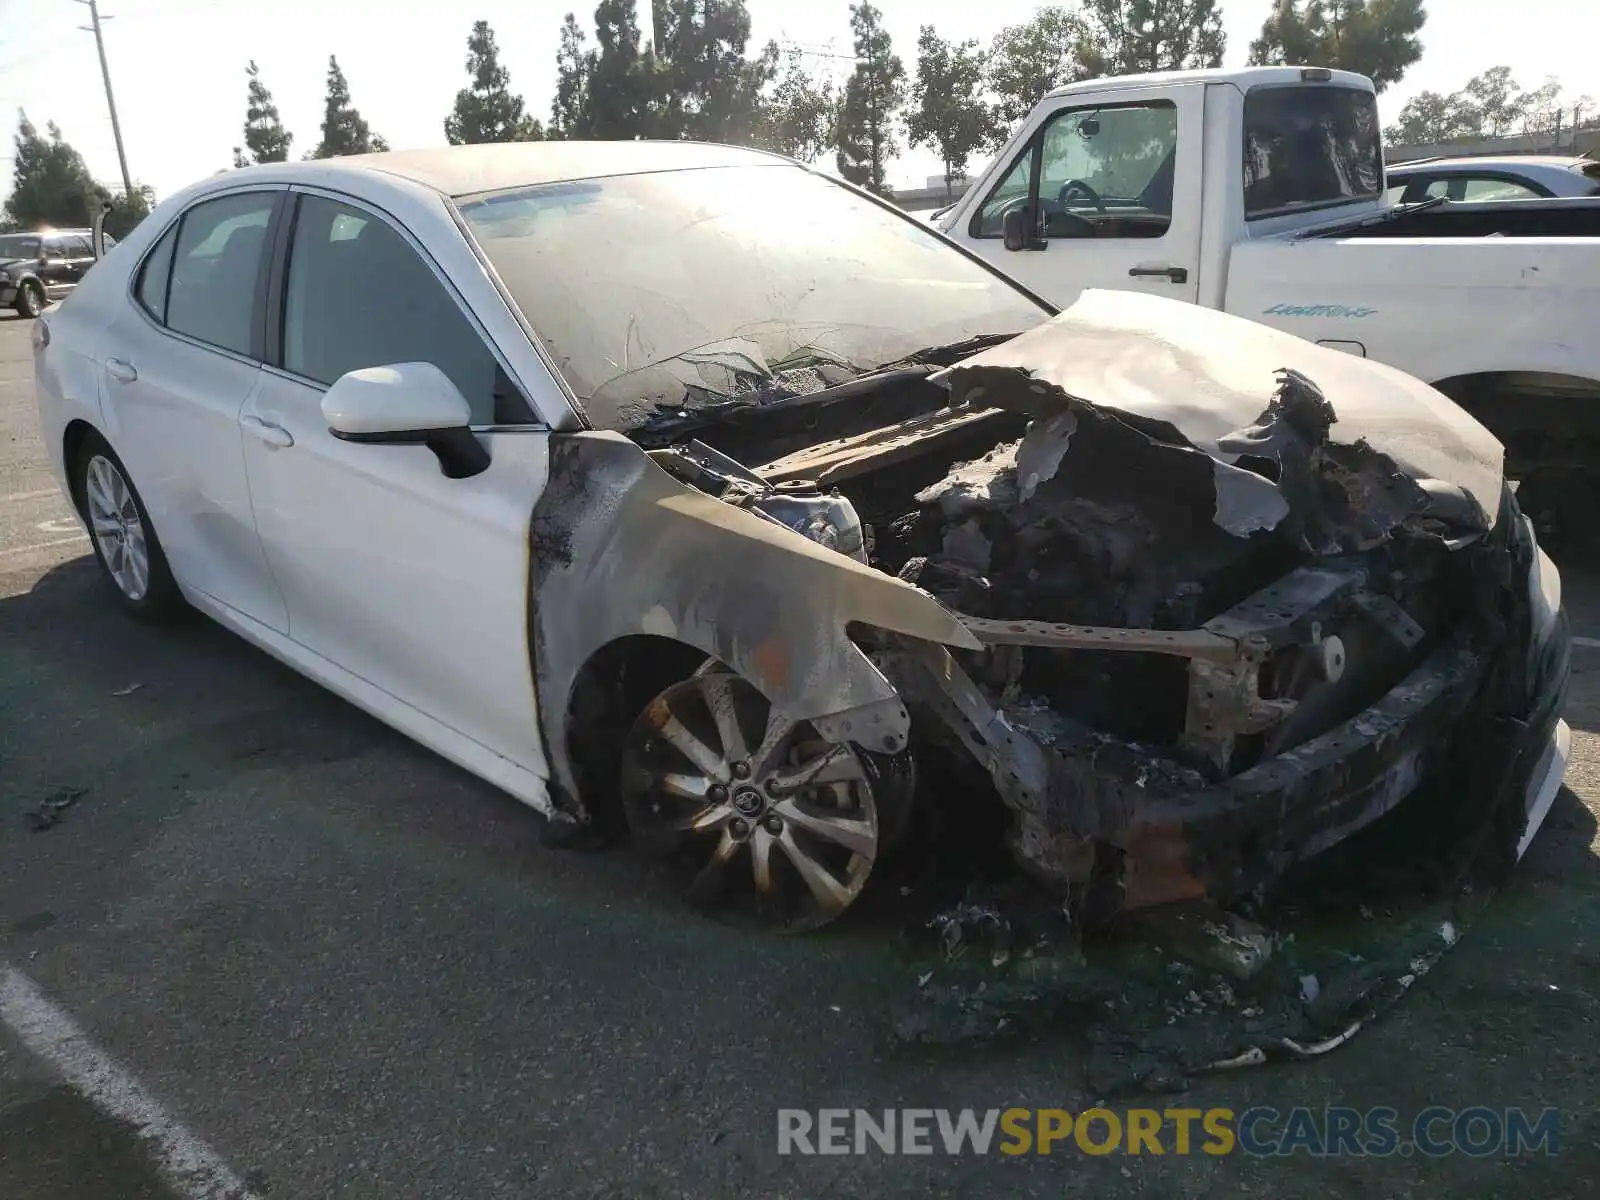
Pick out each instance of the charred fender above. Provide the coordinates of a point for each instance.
(618, 547)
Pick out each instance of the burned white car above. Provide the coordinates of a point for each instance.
(685, 492)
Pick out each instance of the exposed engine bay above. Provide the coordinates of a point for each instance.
(1208, 652)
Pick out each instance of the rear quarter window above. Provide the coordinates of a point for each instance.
(1310, 146)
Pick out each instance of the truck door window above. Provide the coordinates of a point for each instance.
(1102, 173)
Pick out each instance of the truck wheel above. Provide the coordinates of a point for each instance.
(30, 300)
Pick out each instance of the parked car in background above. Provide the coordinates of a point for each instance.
(1522, 177)
(669, 487)
(37, 269)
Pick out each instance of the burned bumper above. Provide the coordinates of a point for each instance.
(1474, 724)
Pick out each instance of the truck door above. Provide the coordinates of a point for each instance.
(1111, 187)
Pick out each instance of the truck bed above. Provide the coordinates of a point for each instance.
(1564, 217)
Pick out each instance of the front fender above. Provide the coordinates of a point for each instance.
(618, 547)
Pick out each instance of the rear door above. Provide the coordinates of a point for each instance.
(182, 358)
(1112, 186)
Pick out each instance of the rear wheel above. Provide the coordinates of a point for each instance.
(30, 300)
(124, 540)
(764, 816)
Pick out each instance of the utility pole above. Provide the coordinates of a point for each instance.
(111, 103)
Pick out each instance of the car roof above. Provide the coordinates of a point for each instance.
(496, 166)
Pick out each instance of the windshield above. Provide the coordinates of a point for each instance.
(1309, 146)
(14, 245)
(649, 290)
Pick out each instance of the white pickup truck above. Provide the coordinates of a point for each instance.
(1260, 192)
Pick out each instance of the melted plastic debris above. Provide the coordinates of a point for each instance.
(1176, 994)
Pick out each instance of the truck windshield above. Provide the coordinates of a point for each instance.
(646, 288)
(1309, 146)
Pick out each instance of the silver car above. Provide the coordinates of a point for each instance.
(1524, 177)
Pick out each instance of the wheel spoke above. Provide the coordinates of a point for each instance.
(829, 893)
(778, 732)
(676, 734)
(139, 568)
(103, 526)
(717, 688)
(858, 837)
(704, 820)
(836, 765)
(99, 494)
(121, 498)
(672, 783)
(761, 860)
(709, 879)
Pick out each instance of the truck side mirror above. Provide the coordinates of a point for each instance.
(1017, 230)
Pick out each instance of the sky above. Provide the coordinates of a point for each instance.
(177, 66)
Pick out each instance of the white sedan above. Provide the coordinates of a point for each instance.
(684, 491)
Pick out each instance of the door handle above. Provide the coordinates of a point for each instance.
(1175, 274)
(266, 431)
(122, 372)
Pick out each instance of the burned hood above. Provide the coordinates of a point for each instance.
(1240, 393)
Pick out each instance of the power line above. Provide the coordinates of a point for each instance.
(111, 103)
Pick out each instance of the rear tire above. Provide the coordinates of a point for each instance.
(122, 534)
(30, 300)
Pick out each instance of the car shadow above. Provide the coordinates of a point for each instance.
(210, 706)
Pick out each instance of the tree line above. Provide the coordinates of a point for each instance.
(1492, 104)
(695, 75)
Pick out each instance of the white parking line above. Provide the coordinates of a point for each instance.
(189, 1165)
(30, 495)
(77, 537)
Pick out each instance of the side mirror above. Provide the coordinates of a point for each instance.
(1018, 230)
(406, 404)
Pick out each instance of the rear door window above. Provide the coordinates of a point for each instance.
(1310, 146)
(153, 276)
(216, 272)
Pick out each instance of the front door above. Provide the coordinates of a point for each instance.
(416, 583)
(179, 366)
(1112, 189)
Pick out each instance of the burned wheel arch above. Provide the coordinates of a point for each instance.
(619, 549)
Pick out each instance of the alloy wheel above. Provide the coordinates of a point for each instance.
(765, 816)
(117, 528)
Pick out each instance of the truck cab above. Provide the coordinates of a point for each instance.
(1135, 182)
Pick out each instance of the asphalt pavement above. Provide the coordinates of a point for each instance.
(319, 961)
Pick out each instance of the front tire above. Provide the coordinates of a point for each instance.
(30, 300)
(124, 539)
